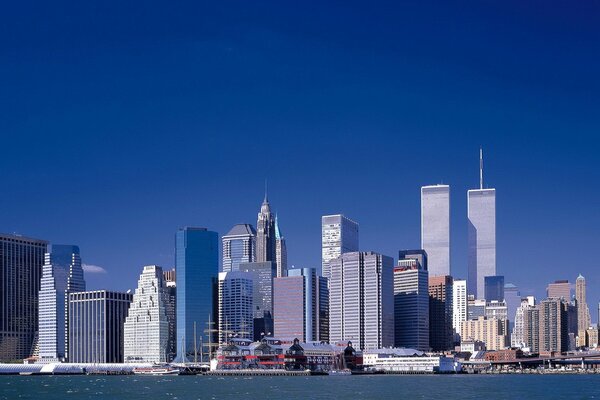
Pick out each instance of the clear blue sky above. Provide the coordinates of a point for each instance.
(121, 122)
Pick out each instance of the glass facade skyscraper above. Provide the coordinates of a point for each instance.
(435, 228)
(339, 235)
(21, 261)
(494, 288)
(196, 261)
(62, 274)
(235, 306)
(262, 304)
(239, 246)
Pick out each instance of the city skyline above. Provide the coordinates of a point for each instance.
(177, 120)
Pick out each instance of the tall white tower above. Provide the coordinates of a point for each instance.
(435, 228)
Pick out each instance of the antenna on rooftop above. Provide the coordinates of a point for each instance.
(480, 167)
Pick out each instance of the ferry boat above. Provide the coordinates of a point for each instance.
(156, 371)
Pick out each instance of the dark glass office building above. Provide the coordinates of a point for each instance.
(96, 326)
(196, 261)
(262, 310)
(21, 261)
(494, 288)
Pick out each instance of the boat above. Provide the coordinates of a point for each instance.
(340, 372)
(156, 371)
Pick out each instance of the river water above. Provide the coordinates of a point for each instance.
(446, 387)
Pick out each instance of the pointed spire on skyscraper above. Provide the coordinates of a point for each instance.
(266, 200)
(480, 167)
(277, 232)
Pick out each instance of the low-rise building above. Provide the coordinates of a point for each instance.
(504, 355)
(400, 360)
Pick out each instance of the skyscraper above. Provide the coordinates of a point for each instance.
(146, 328)
(411, 304)
(518, 337)
(235, 306)
(239, 245)
(435, 228)
(459, 304)
(196, 260)
(338, 235)
(280, 251)
(559, 289)
(21, 261)
(96, 326)
(494, 288)
(361, 300)
(440, 313)
(481, 204)
(583, 312)
(265, 233)
(262, 303)
(297, 303)
(170, 282)
(62, 274)
(492, 331)
(554, 335)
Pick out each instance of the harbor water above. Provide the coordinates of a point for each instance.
(446, 387)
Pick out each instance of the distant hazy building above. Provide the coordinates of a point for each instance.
(583, 312)
(459, 304)
(170, 282)
(265, 233)
(492, 331)
(299, 300)
(21, 261)
(262, 309)
(435, 228)
(411, 305)
(559, 289)
(280, 251)
(62, 274)
(441, 333)
(494, 288)
(481, 210)
(512, 298)
(554, 335)
(239, 246)
(361, 300)
(196, 261)
(338, 235)
(235, 306)
(96, 326)
(146, 327)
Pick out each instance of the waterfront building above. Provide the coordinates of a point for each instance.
(171, 284)
(96, 326)
(361, 300)
(492, 331)
(554, 333)
(146, 328)
(235, 306)
(481, 210)
(441, 334)
(339, 235)
(531, 329)
(494, 288)
(239, 246)
(459, 304)
(394, 360)
(62, 274)
(280, 251)
(411, 305)
(475, 307)
(435, 228)
(583, 312)
(559, 289)
(591, 337)
(472, 346)
(262, 311)
(196, 261)
(21, 261)
(265, 233)
(299, 300)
